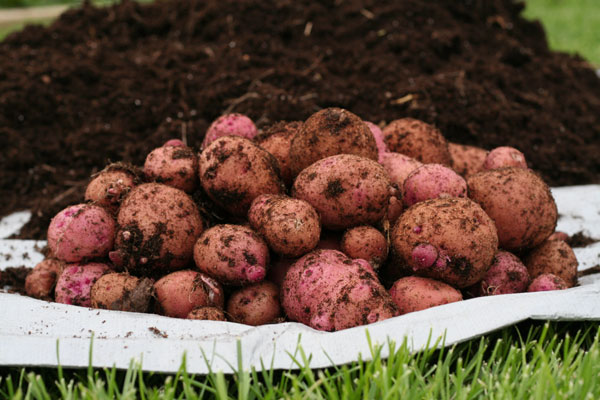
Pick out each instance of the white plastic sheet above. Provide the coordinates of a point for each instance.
(30, 329)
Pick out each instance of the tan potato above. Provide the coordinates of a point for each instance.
(467, 160)
(277, 140)
(122, 292)
(176, 166)
(367, 243)
(519, 202)
(40, 282)
(109, 186)
(207, 313)
(415, 293)
(329, 132)
(255, 305)
(553, 257)
(417, 139)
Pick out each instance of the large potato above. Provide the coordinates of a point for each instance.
(417, 139)
(346, 190)
(553, 257)
(467, 160)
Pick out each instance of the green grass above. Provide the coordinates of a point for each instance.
(550, 361)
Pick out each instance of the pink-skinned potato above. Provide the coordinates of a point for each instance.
(80, 232)
(467, 160)
(75, 283)
(176, 166)
(109, 186)
(328, 291)
(379, 139)
(504, 156)
(398, 167)
(234, 124)
(367, 243)
(346, 190)
(547, 282)
(178, 293)
(553, 257)
(40, 282)
(232, 254)
(415, 293)
(417, 139)
(431, 181)
(277, 141)
(256, 304)
(507, 274)
(158, 227)
(122, 292)
(207, 313)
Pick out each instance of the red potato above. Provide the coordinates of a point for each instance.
(507, 274)
(234, 171)
(81, 231)
(230, 125)
(40, 282)
(109, 186)
(122, 292)
(398, 167)
(180, 292)
(346, 190)
(158, 227)
(547, 282)
(417, 139)
(277, 140)
(558, 235)
(207, 313)
(175, 166)
(291, 227)
(467, 160)
(553, 257)
(504, 156)
(232, 254)
(415, 293)
(519, 202)
(379, 139)
(329, 132)
(257, 304)
(328, 291)
(367, 243)
(431, 181)
(75, 283)
(450, 239)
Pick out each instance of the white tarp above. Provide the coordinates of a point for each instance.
(30, 329)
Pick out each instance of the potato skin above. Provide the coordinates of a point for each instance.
(257, 304)
(176, 166)
(232, 254)
(277, 141)
(466, 160)
(233, 124)
(291, 227)
(75, 283)
(109, 186)
(398, 167)
(547, 282)
(504, 156)
(207, 313)
(448, 239)
(430, 181)
(329, 132)
(415, 293)
(234, 171)
(519, 202)
(346, 190)
(553, 257)
(367, 243)
(122, 292)
(507, 274)
(40, 282)
(417, 139)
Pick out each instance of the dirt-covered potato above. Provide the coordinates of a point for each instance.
(122, 292)
(379, 139)
(415, 293)
(367, 243)
(277, 140)
(176, 166)
(448, 239)
(329, 132)
(430, 181)
(398, 167)
(291, 227)
(40, 282)
(504, 156)
(507, 274)
(158, 227)
(234, 171)
(207, 313)
(346, 190)
(230, 125)
(109, 186)
(75, 283)
(519, 202)
(547, 282)
(180, 292)
(553, 257)
(417, 139)
(232, 254)
(257, 304)
(466, 160)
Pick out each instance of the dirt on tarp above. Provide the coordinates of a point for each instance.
(112, 83)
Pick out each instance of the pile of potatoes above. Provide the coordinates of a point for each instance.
(333, 222)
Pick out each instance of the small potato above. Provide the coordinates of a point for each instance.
(547, 282)
(507, 274)
(398, 167)
(81, 231)
(257, 304)
(122, 292)
(346, 190)
(234, 171)
(232, 254)
(109, 186)
(180, 292)
(558, 235)
(175, 166)
(291, 227)
(431, 181)
(40, 282)
(414, 293)
(467, 160)
(379, 139)
(367, 243)
(277, 140)
(417, 139)
(329, 132)
(519, 202)
(504, 156)
(207, 313)
(553, 257)
(230, 125)
(75, 283)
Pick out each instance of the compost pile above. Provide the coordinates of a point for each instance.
(113, 83)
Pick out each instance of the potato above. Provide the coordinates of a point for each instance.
(553, 257)
(122, 292)
(230, 125)
(398, 167)
(257, 304)
(291, 227)
(346, 190)
(449, 239)
(75, 283)
(328, 291)
(41, 280)
(207, 313)
(367, 243)
(180, 292)
(520, 204)
(81, 231)
(234, 171)
(507, 274)
(329, 132)
(430, 181)
(232, 254)
(109, 186)
(379, 140)
(558, 235)
(277, 140)
(547, 282)
(158, 227)
(504, 156)
(176, 166)
(467, 160)
(417, 139)
(415, 293)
